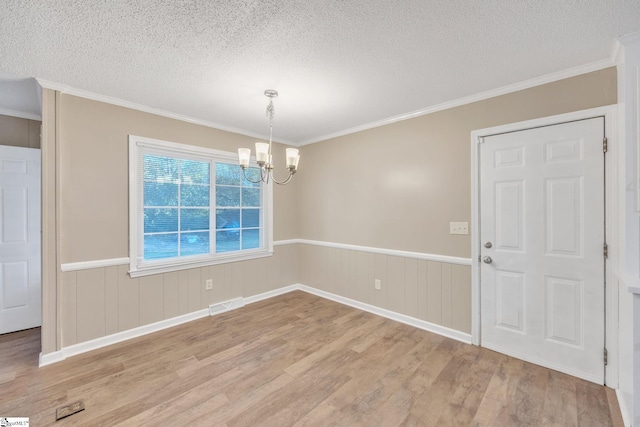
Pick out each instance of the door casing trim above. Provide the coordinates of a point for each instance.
(611, 231)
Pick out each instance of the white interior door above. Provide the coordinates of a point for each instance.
(542, 214)
(20, 281)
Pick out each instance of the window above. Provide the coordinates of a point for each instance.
(192, 206)
(238, 205)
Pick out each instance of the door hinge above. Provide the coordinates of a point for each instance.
(479, 260)
(606, 356)
(605, 250)
(605, 144)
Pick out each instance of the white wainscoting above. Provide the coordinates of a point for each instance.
(101, 304)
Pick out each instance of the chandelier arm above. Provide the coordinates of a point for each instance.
(244, 171)
(286, 181)
(264, 175)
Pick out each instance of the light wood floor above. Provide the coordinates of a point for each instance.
(300, 360)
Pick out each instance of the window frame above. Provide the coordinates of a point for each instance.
(138, 146)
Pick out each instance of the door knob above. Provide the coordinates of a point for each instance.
(487, 260)
(487, 245)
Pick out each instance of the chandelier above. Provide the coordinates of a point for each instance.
(263, 152)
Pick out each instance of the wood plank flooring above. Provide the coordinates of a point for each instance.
(295, 360)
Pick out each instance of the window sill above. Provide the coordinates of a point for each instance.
(135, 271)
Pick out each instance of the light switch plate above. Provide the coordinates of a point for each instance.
(458, 228)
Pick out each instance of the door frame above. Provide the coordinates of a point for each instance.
(611, 224)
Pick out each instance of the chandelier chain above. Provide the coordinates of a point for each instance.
(271, 111)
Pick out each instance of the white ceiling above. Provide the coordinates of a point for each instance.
(338, 64)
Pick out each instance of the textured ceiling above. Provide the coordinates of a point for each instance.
(338, 64)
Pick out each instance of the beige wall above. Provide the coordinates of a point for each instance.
(94, 186)
(398, 186)
(392, 187)
(85, 170)
(18, 132)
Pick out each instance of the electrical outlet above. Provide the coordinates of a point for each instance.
(458, 228)
(208, 284)
(376, 284)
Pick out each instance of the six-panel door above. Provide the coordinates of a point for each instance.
(542, 209)
(20, 279)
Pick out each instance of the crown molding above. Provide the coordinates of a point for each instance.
(613, 59)
(629, 38)
(20, 114)
(537, 81)
(62, 88)
(617, 53)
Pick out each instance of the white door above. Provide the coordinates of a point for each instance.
(20, 282)
(542, 214)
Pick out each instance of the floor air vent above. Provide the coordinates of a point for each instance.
(221, 307)
(69, 409)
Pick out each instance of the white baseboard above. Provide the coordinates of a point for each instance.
(624, 409)
(271, 294)
(83, 347)
(50, 358)
(72, 350)
(398, 317)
